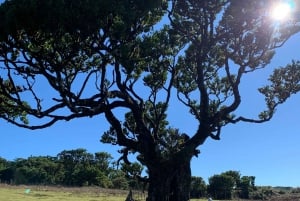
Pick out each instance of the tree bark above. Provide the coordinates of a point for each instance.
(170, 181)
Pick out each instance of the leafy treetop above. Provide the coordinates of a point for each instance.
(129, 59)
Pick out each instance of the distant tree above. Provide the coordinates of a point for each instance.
(7, 175)
(83, 168)
(103, 179)
(5, 171)
(247, 185)
(20, 172)
(103, 161)
(37, 170)
(235, 175)
(221, 186)
(3, 163)
(133, 172)
(118, 179)
(198, 188)
(242, 186)
(131, 61)
(103, 166)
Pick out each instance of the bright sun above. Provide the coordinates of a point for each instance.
(281, 11)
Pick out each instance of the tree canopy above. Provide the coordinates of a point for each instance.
(128, 60)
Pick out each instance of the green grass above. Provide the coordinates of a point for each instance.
(36, 194)
(18, 193)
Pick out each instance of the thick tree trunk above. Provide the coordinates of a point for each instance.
(170, 181)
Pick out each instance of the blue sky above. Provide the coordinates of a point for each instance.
(269, 151)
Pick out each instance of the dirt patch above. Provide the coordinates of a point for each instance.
(288, 197)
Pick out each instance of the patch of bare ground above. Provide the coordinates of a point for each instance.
(287, 197)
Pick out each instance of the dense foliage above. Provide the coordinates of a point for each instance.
(230, 184)
(129, 60)
(70, 168)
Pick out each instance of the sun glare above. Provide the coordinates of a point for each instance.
(281, 11)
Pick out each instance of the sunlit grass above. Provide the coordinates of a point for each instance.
(13, 193)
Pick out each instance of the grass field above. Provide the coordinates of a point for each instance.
(48, 193)
(40, 193)
(16, 193)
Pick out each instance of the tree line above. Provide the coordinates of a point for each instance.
(81, 168)
(69, 168)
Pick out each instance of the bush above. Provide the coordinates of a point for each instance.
(296, 190)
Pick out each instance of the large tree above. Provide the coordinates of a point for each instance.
(128, 60)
